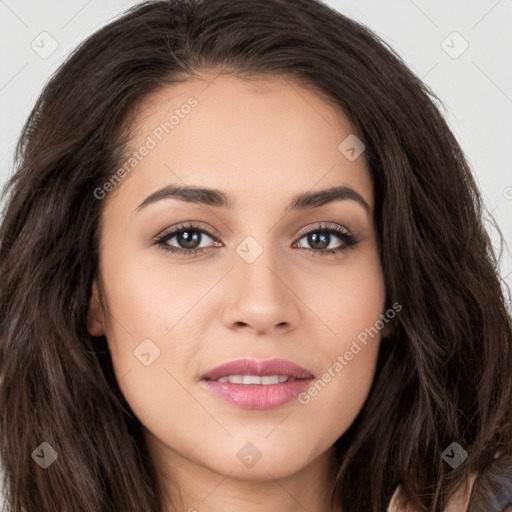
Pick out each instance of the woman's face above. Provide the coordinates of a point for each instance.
(254, 289)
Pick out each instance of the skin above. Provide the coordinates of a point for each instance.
(261, 143)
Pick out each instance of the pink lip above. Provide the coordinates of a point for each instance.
(255, 396)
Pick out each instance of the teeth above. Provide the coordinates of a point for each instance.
(255, 379)
(250, 379)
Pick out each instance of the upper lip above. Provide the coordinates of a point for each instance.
(247, 366)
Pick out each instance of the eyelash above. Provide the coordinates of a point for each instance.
(348, 239)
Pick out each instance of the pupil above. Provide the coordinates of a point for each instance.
(321, 239)
(187, 239)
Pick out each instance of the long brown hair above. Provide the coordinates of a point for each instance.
(443, 376)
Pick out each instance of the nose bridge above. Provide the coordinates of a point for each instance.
(258, 295)
(256, 266)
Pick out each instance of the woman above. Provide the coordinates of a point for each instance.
(243, 267)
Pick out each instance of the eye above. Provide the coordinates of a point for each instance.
(188, 239)
(323, 239)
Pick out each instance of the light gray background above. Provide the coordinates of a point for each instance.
(475, 87)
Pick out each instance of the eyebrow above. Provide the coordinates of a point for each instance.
(214, 197)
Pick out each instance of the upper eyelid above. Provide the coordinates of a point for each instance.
(172, 232)
(323, 226)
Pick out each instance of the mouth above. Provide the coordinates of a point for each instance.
(263, 380)
(252, 384)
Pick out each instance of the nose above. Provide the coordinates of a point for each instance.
(260, 296)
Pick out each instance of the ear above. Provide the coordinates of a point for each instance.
(387, 330)
(390, 320)
(96, 315)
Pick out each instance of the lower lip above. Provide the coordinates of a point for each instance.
(258, 396)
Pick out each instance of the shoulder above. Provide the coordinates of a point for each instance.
(458, 502)
(493, 488)
(490, 491)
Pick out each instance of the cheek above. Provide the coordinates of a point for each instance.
(148, 300)
(350, 307)
(348, 299)
(152, 333)
(338, 394)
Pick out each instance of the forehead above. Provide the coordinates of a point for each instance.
(265, 135)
